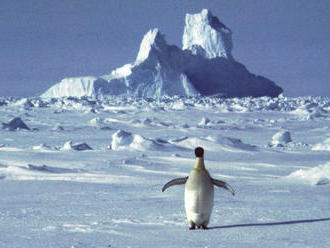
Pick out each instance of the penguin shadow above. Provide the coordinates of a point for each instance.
(271, 223)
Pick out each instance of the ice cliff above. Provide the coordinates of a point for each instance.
(78, 87)
(204, 66)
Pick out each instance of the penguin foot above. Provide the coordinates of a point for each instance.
(192, 227)
(204, 227)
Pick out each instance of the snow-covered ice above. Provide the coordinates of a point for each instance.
(318, 175)
(324, 145)
(56, 193)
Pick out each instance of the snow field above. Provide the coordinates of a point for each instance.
(111, 196)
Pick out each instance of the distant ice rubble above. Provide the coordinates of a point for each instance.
(67, 146)
(310, 111)
(204, 122)
(100, 123)
(24, 103)
(203, 67)
(301, 107)
(124, 105)
(123, 140)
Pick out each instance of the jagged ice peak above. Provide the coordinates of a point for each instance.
(153, 39)
(204, 34)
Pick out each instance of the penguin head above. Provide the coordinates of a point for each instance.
(199, 165)
(199, 152)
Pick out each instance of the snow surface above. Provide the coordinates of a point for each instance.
(325, 145)
(318, 175)
(204, 66)
(111, 196)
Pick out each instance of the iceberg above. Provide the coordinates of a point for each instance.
(204, 66)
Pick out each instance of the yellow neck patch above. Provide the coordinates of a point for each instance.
(199, 165)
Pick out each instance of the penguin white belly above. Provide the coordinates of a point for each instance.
(198, 197)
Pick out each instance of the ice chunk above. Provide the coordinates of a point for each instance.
(42, 147)
(123, 140)
(15, 124)
(76, 147)
(281, 138)
(58, 127)
(204, 122)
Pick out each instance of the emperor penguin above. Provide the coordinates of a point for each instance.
(199, 192)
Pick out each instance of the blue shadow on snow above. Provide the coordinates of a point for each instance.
(271, 223)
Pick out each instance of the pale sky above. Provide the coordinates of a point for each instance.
(43, 41)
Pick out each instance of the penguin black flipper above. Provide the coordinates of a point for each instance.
(223, 184)
(176, 181)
